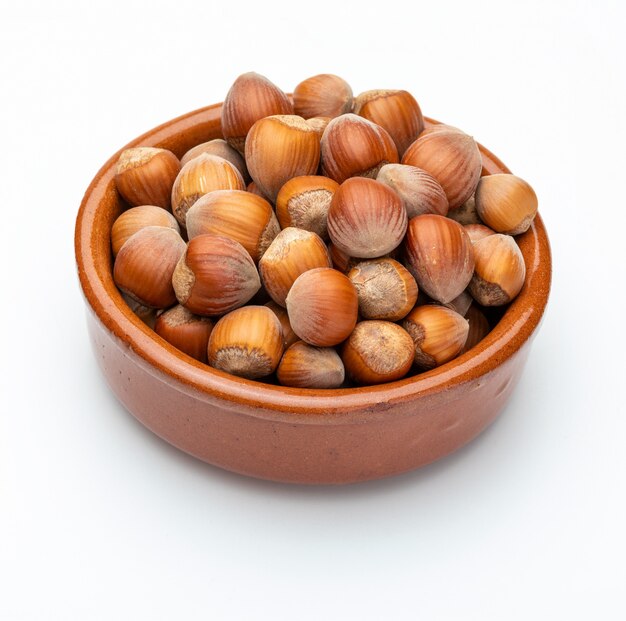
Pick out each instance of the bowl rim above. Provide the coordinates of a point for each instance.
(515, 328)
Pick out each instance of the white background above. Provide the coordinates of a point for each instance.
(99, 519)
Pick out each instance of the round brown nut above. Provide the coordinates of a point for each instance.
(247, 342)
(499, 272)
(145, 263)
(451, 157)
(250, 98)
(303, 202)
(506, 203)
(145, 176)
(185, 331)
(385, 288)
(355, 147)
(396, 111)
(279, 148)
(439, 255)
(322, 306)
(419, 191)
(322, 95)
(377, 352)
(438, 334)
(215, 275)
(306, 366)
(366, 219)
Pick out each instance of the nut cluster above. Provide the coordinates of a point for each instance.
(326, 241)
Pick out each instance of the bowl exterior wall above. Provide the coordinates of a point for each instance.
(409, 435)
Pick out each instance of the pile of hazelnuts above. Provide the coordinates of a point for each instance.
(326, 241)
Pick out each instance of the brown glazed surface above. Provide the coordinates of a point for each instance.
(289, 434)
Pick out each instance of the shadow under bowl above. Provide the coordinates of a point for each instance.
(287, 434)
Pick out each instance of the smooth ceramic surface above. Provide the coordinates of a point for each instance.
(286, 434)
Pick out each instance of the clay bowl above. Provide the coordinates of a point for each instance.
(285, 434)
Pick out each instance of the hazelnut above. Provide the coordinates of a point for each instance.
(386, 289)
(220, 148)
(451, 157)
(438, 334)
(198, 177)
(322, 306)
(145, 263)
(293, 252)
(247, 342)
(322, 95)
(279, 148)
(303, 202)
(136, 218)
(478, 231)
(499, 272)
(506, 203)
(306, 366)
(419, 191)
(250, 98)
(289, 336)
(355, 147)
(215, 275)
(145, 175)
(240, 215)
(377, 352)
(439, 255)
(366, 218)
(478, 327)
(185, 331)
(395, 111)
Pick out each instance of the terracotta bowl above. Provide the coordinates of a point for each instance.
(286, 434)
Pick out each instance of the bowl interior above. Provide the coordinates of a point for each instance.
(101, 206)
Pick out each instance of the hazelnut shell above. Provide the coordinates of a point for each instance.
(451, 157)
(439, 255)
(250, 98)
(377, 352)
(322, 306)
(145, 176)
(394, 110)
(279, 148)
(355, 147)
(366, 218)
(247, 342)
(324, 95)
(145, 263)
(307, 366)
(215, 275)
(438, 334)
